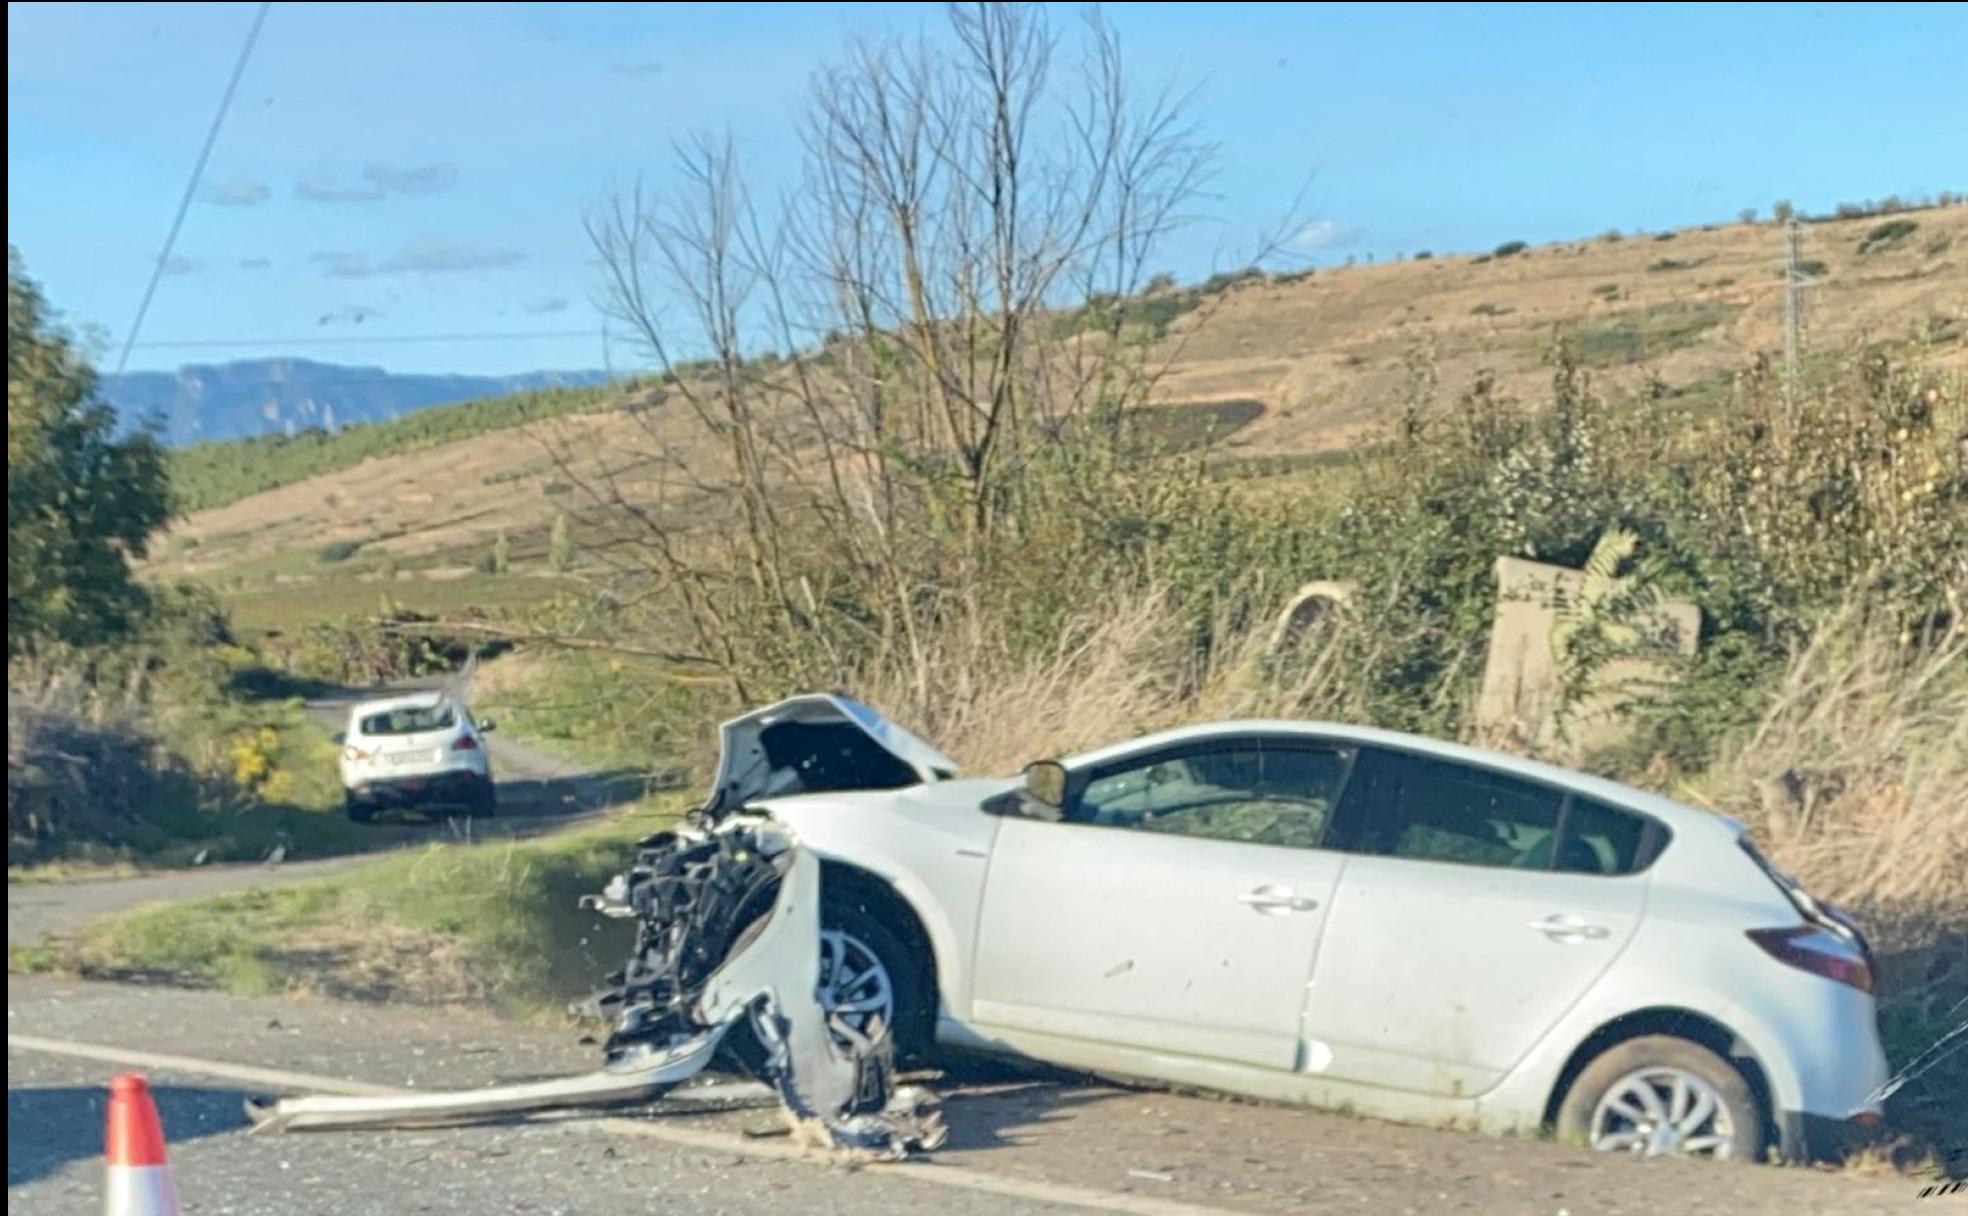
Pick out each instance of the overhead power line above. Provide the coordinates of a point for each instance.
(361, 339)
(191, 186)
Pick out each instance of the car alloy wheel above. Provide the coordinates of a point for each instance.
(854, 985)
(1663, 1112)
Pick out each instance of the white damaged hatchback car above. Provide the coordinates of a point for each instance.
(1334, 916)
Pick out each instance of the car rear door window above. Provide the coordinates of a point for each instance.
(1247, 791)
(1438, 810)
(1600, 839)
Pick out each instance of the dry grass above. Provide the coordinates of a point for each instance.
(1111, 676)
(1856, 779)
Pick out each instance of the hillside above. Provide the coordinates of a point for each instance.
(1324, 355)
(238, 400)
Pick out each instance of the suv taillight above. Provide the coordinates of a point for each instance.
(1784, 946)
(354, 754)
(465, 743)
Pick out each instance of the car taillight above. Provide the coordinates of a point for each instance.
(465, 743)
(1784, 946)
(354, 754)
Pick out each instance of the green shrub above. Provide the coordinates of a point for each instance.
(1509, 249)
(1619, 338)
(339, 550)
(1887, 234)
(207, 475)
(1225, 280)
(1662, 265)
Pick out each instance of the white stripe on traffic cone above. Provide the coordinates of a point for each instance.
(138, 1175)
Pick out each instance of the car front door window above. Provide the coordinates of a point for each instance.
(1251, 793)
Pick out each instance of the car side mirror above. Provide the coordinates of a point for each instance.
(1045, 784)
(486, 726)
(341, 738)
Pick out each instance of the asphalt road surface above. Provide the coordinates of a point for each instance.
(1017, 1146)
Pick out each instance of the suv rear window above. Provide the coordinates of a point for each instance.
(410, 720)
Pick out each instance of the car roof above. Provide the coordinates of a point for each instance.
(1674, 814)
(413, 700)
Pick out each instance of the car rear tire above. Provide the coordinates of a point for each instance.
(1660, 1096)
(358, 811)
(484, 802)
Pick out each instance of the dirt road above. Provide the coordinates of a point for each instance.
(1017, 1146)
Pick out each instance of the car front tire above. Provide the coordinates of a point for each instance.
(914, 1017)
(1660, 1096)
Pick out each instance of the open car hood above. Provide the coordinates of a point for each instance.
(814, 743)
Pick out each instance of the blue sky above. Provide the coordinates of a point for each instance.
(400, 171)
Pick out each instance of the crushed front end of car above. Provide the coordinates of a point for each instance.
(725, 966)
(727, 950)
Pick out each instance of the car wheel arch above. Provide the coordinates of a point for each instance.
(1675, 1022)
(879, 896)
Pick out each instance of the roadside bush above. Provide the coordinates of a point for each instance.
(1509, 249)
(1886, 235)
(339, 551)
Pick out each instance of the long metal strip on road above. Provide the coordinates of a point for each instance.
(936, 1174)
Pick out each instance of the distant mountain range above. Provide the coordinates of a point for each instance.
(251, 397)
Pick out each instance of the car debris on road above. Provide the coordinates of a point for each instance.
(725, 967)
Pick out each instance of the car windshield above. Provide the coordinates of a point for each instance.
(410, 720)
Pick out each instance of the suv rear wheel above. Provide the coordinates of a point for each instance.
(358, 810)
(483, 802)
(1659, 1096)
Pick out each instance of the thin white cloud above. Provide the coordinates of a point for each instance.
(412, 179)
(348, 314)
(327, 190)
(379, 181)
(424, 256)
(238, 192)
(547, 304)
(1321, 235)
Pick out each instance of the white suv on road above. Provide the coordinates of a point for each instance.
(417, 750)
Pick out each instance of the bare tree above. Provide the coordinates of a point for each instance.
(881, 354)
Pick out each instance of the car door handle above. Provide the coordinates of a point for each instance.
(1275, 901)
(1564, 928)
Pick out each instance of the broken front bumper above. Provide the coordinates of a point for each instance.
(727, 940)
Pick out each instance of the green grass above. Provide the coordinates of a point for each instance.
(499, 920)
(611, 712)
(291, 607)
(210, 475)
(176, 806)
(1645, 333)
(1180, 428)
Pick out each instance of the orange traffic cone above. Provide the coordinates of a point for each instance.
(138, 1176)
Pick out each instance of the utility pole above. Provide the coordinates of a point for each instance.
(1794, 284)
